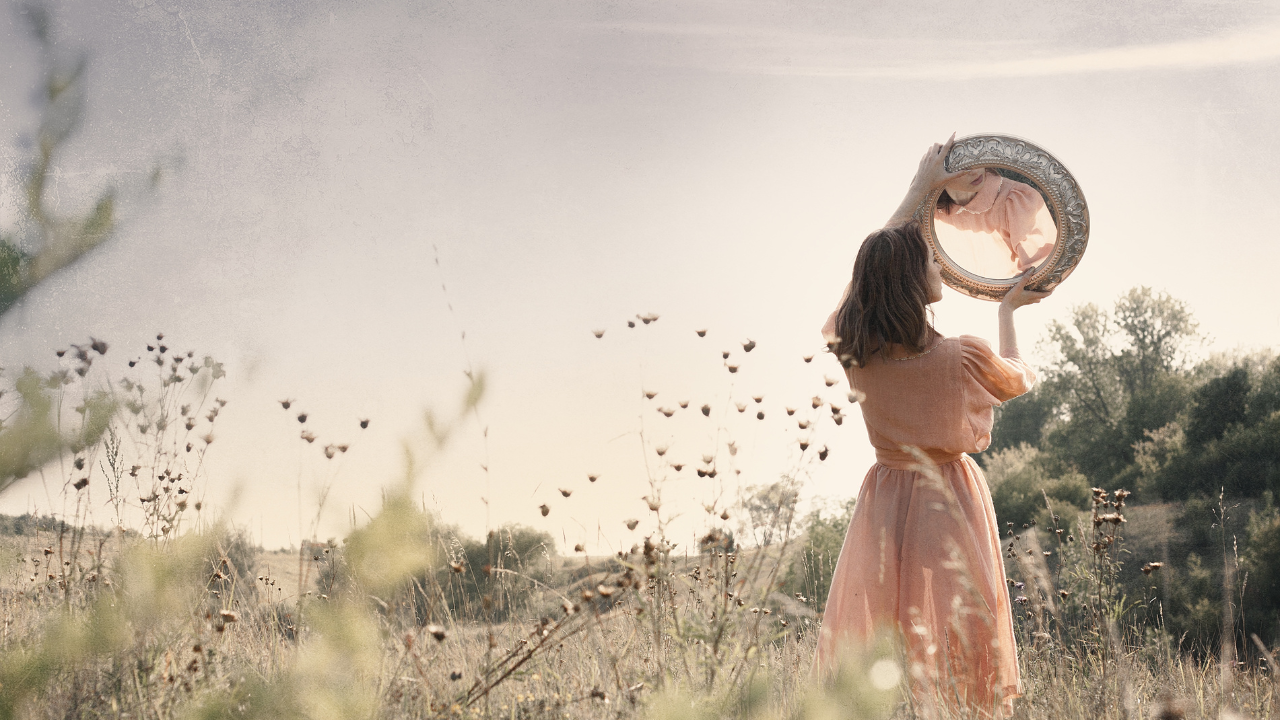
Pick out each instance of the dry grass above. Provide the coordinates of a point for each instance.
(649, 635)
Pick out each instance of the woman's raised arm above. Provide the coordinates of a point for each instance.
(1017, 296)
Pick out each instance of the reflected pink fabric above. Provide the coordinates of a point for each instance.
(1010, 212)
(922, 553)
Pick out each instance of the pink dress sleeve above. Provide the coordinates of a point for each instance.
(996, 378)
(1032, 232)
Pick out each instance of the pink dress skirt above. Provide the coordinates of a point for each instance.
(922, 557)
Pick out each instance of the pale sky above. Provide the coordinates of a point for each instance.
(577, 163)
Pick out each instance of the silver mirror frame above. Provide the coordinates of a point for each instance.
(1068, 205)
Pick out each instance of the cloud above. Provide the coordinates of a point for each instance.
(1256, 45)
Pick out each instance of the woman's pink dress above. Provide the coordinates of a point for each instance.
(1005, 229)
(923, 557)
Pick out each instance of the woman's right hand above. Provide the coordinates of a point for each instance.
(1019, 295)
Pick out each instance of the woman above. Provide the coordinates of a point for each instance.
(993, 226)
(922, 554)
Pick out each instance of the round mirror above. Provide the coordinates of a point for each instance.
(1013, 208)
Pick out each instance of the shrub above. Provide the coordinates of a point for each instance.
(1019, 480)
(230, 564)
(810, 570)
(1261, 562)
(493, 578)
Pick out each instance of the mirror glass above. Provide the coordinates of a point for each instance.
(994, 223)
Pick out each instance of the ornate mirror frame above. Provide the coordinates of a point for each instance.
(1055, 181)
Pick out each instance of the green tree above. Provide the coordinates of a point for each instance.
(1220, 403)
(1157, 329)
(770, 509)
(1113, 377)
(1232, 433)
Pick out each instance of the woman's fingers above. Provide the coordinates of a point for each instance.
(933, 166)
(1019, 295)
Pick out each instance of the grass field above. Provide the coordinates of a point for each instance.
(130, 627)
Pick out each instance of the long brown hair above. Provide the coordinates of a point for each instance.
(887, 297)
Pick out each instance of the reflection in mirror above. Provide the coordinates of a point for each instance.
(994, 223)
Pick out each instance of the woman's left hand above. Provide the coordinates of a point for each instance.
(932, 172)
(931, 175)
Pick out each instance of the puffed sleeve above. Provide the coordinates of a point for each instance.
(992, 379)
(1031, 228)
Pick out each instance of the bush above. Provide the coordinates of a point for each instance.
(231, 563)
(488, 579)
(1262, 563)
(1019, 480)
(810, 570)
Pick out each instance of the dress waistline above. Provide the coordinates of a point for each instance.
(903, 460)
